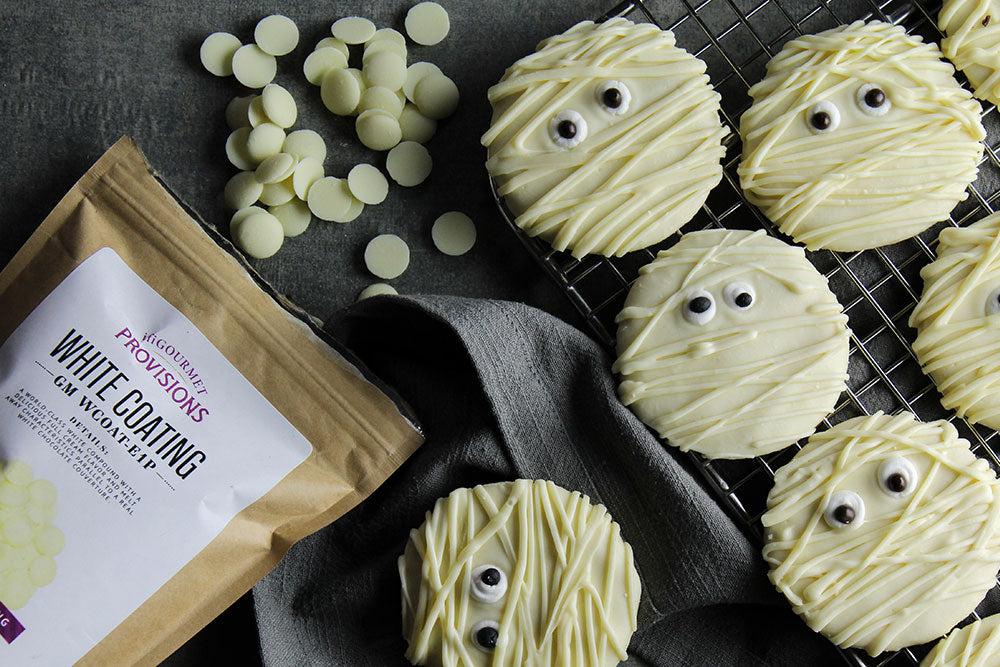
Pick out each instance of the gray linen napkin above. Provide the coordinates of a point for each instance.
(505, 391)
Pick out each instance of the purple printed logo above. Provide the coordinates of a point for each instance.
(10, 627)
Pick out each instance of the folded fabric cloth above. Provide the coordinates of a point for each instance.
(505, 391)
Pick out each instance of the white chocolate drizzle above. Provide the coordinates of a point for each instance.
(750, 381)
(573, 591)
(957, 341)
(973, 43)
(918, 565)
(874, 180)
(975, 645)
(639, 175)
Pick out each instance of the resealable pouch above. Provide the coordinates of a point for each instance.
(169, 426)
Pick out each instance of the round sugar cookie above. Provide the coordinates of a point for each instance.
(499, 575)
(973, 43)
(883, 531)
(605, 140)
(731, 344)
(957, 320)
(859, 137)
(975, 645)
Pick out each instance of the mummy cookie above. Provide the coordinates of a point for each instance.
(859, 137)
(731, 344)
(958, 318)
(883, 531)
(973, 43)
(518, 573)
(975, 645)
(605, 140)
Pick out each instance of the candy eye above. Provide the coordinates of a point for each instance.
(993, 302)
(489, 583)
(897, 476)
(699, 307)
(846, 508)
(567, 129)
(739, 295)
(485, 635)
(614, 97)
(823, 117)
(873, 100)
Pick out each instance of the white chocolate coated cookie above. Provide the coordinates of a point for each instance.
(957, 320)
(518, 573)
(605, 140)
(731, 344)
(859, 137)
(975, 645)
(973, 43)
(883, 531)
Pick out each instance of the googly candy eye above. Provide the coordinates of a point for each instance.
(897, 476)
(823, 117)
(489, 583)
(485, 635)
(567, 129)
(845, 509)
(993, 302)
(699, 307)
(873, 100)
(614, 97)
(739, 295)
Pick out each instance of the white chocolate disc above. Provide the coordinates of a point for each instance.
(50, 541)
(340, 92)
(307, 171)
(353, 30)
(236, 112)
(276, 35)
(242, 190)
(42, 493)
(975, 645)
(368, 184)
(414, 73)
(378, 129)
(275, 194)
(329, 198)
(236, 150)
(876, 177)
(387, 256)
(17, 472)
(377, 45)
(572, 594)
(409, 164)
(242, 215)
(415, 126)
(305, 143)
(276, 168)
(427, 23)
(386, 69)
(260, 235)
(264, 141)
(973, 43)
(454, 233)
(719, 379)
(956, 321)
(335, 43)
(353, 211)
(252, 67)
(387, 34)
(294, 217)
(279, 105)
(321, 61)
(378, 97)
(217, 53)
(436, 96)
(919, 563)
(255, 112)
(376, 289)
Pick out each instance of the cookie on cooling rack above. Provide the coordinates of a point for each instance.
(605, 140)
(859, 137)
(958, 320)
(731, 344)
(973, 43)
(883, 531)
(975, 645)
(518, 573)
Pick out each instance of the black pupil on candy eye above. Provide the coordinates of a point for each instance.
(743, 299)
(490, 577)
(896, 482)
(487, 637)
(612, 98)
(875, 98)
(567, 129)
(820, 120)
(699, 304)
(844, 514)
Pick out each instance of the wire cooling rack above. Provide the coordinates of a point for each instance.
(877, 288)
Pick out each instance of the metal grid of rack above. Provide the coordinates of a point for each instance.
(877, 288)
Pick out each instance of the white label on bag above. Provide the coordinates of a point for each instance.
(127, 442)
